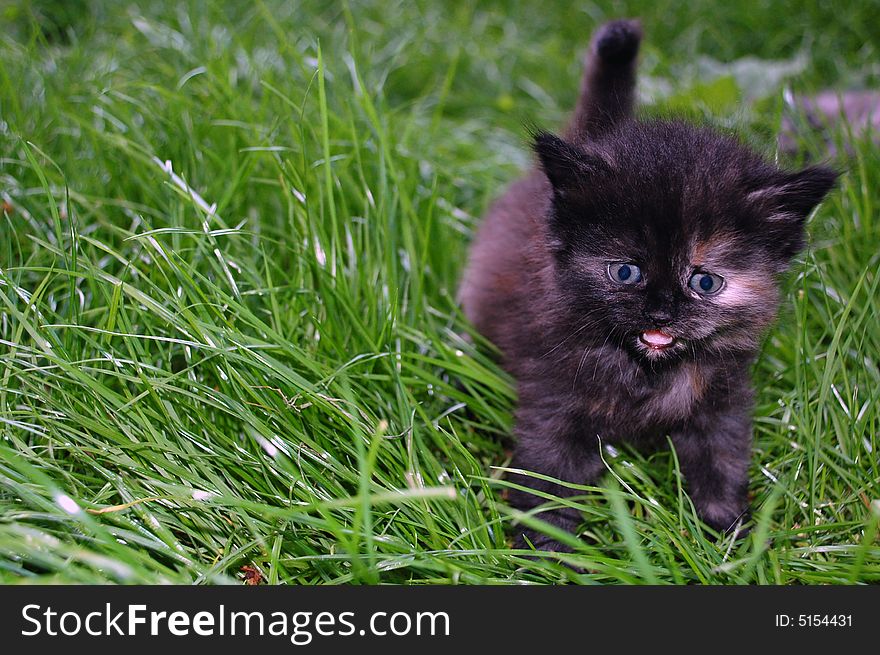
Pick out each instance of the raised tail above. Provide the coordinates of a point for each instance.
(608, 87)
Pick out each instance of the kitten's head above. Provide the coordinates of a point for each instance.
(670, 239)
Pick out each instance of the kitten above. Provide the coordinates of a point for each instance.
(627, 281)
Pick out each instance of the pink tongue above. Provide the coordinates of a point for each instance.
(657, 338)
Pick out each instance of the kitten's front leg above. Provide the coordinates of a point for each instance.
(555, 443)
(714, 451)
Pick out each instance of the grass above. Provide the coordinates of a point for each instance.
(229, 249)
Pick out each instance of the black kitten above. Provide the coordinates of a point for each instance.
(628, 282)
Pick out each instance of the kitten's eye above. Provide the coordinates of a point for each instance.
(624, 273)
(706, 284)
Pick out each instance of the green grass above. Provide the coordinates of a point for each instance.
(251, 356)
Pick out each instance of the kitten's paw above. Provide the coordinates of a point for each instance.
(529, 540)
(617, 42)
(727, 520)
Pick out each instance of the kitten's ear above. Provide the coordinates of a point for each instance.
(565, 165)
(784, 204)
(792, 196)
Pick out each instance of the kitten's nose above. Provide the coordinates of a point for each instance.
(659, 316)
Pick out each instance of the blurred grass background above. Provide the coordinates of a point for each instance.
(230, 242)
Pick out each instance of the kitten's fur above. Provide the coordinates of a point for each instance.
(671, 198)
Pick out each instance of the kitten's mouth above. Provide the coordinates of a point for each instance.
(657, 340)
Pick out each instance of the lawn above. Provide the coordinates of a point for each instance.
(230, 243)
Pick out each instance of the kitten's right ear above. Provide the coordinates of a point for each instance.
(566, 166)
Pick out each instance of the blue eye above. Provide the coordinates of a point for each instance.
(624, 273)
(706, 284)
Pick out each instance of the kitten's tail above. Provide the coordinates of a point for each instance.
(608, 87)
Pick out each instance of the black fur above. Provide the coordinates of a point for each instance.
(675, 200)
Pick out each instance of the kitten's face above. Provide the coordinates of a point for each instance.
(663, 296)
(670, 240)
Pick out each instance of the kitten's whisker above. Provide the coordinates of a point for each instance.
(599, 359)
(580, 366)
(583, 327)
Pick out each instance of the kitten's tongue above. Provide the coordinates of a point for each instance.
(657, 339)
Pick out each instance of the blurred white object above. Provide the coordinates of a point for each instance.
(808, 119)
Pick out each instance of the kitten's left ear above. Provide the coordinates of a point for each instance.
(784, 204)
(792, 196)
